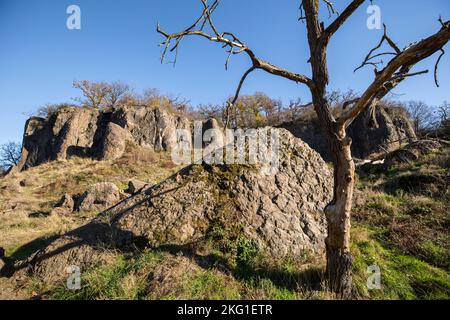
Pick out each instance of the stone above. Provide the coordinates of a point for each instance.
(66, 202)
(412, 152)
(153, 128)
(394, 130)
(135, 186)
(114, 142)
(281, 211)
(59, 212)
(28, 182)
(93, 133)
(99, 197)
(74, 130)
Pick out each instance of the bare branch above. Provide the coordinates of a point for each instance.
(371, 55)
(388, 78)
(436, 66)
(231, 103)
(407, 75)
(228, 40)
(340, 20)
(330, 7)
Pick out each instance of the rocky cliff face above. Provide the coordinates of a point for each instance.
(103, 135)
(281, 212)
(97, 134)
(394, 130)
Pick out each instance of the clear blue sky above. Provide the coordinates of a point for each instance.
(40, 57)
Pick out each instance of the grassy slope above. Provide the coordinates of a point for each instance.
(24, 209)
(402, 228)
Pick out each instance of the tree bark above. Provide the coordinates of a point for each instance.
(338, 214)
(338, 211)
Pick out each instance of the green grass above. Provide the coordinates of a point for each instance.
(404, 231)
(121, 280)
(402, 276)
(208, 285)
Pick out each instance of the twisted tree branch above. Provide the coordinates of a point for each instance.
(389, 77)
(228, 40)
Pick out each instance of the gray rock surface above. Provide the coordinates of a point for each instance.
(394, 130)
(66, 202)
(65, 205)
(280, 211)
(151, 127)
(98, 197)
(94, 133)
(114, 142)
(135, 186)
(412, 152)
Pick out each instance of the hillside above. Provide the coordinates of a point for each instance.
(400, 223)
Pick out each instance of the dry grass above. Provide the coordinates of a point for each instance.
(27, 198)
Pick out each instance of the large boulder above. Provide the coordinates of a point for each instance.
(135, 186)
(394, 130)
(114, 142)
(98, 197)
(66, 202)
(64, 206)
(280, 210)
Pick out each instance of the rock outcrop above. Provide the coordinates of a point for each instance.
(98, 197)
(394, 130)
(114, 142)
(65, 205)
(278, 210)
(412, 152)
(104, 134)
(135, 186)
(100, 134)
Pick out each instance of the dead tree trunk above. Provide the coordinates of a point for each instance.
(339, 258)
(338, 212)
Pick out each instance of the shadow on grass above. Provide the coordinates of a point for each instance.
(28, 249)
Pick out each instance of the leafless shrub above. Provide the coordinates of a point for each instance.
(115, 92)
(51, 108)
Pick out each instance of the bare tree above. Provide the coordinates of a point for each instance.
(115, 92)
(421, 115)
(443, 123)
(10, 154)
(401, 62)
(51, 108)
(94, 93)
(208, 111)
(444, 111)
